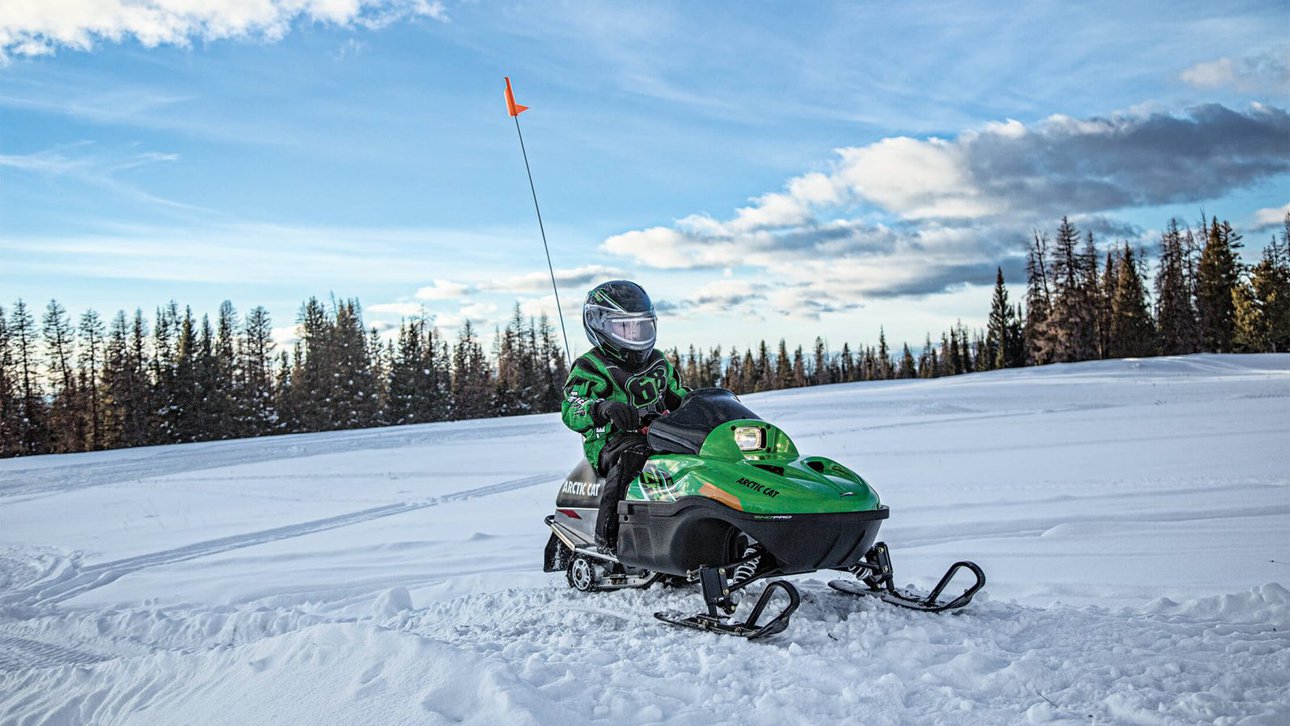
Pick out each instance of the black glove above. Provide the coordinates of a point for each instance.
(621, 415)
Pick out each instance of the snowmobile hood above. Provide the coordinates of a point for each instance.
(752, 466)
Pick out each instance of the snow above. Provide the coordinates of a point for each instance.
(1131, 517)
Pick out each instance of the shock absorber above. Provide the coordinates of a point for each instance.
(748, 567)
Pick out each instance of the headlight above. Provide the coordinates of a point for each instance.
(750, 438)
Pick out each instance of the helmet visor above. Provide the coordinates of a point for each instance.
(634, 331)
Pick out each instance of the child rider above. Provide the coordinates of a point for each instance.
(612, 385)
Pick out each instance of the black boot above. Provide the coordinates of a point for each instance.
(605, 543)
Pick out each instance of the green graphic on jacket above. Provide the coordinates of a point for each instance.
(655, 387)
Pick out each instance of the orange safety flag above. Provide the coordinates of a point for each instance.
(511, 106)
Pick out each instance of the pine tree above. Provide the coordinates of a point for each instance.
(821, 374)
(998, 341)
(1039, 335)
(470, 376)
(116, 355)
(1074, 309)
(1016, 339)
(256, 405)
(928, 363)
(782, 374)
(749, 380)
(885, 370)
(1175, 316)
(733, 376)
(1105, 299)
(225, 396)
(353, 402)
(67, 423)
(284, 396)
(139, 402)
(713, 368)
(554, 364)
(163, 425)
(89, 372)
(32, 414)
(1217, 277)
(313, 380)
(847, 366)
(799, 368)
(377, 353)
(10, 403)
(1263, 302)
(198, 407)
(907, 368)
(1131, 333)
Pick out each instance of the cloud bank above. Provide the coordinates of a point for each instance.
(40, 27)
(908, 217)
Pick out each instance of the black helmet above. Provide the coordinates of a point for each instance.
(619, 319)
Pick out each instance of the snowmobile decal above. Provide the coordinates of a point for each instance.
(657, 484)
(759, 488)
(581, 488)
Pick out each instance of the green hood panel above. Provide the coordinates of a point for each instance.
(773, 479)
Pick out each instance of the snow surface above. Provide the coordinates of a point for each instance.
(1132, 518)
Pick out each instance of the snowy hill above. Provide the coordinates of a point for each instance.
(1133, 518)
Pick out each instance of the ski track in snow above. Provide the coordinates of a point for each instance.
(295, 580)
(94, 576)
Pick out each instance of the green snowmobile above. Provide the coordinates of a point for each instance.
(728, 501)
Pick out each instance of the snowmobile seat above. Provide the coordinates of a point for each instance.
(683, 431)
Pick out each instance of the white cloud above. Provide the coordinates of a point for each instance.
(545, 305)
(39, 28)
(442, 290)
(906, 216)
(241, 253)
(1271, 216)
(285, 338)
(404, 309)
(568, 277)
(1268, 71)
(478, 312)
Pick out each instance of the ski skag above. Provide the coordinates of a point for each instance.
(717, 593)
(875, 579)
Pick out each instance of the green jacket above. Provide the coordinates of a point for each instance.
(595, 377)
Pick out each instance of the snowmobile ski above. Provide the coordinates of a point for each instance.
(875, 579)
(716, 594)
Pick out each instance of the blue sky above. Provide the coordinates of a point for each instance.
(766, 170)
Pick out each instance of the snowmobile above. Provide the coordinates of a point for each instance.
(727, 501)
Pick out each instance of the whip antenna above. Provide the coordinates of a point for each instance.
(514, 109)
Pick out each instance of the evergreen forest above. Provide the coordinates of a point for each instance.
(86, 384)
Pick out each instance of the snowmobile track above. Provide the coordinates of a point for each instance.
(96, 576)
(20, 653)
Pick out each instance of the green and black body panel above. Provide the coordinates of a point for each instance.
(678, 537)
(722, 471)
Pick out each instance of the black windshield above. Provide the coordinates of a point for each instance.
(682, 431)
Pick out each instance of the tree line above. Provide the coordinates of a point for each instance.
(86, 385)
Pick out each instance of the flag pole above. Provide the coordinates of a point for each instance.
(515, 111)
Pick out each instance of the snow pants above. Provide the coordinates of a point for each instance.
(623, 457)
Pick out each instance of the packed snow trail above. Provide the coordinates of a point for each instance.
(1131, 517)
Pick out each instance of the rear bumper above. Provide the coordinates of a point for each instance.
(677, 537)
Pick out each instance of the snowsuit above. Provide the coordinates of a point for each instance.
(616, 455)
